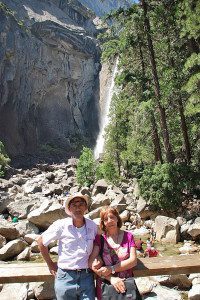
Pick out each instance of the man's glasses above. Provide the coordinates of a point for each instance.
(77, 203)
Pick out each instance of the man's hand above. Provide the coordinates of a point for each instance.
(97, 263)
(53, 268)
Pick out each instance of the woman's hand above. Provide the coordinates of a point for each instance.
(118, 284)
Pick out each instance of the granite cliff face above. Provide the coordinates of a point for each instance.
(102, 7)
(49, 84)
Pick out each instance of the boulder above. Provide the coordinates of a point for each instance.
(71, 171)
(141, 204)
(25, 227)
(34, 247)
(44, 290)
(99, 200)
(54, 250)
(145, 285)
(5, 199)
(94, 213)
(2, 241)
(194, 293)
(163, 293)
(194, 230)
(119, 203)
(35, 184)
(24, 255)
(14, 291)
(194, 276)
(125, 215)
(46, 214)
(52, 189)
(100, 187)
(12, 249)
(181, 281)
(188, 248)
(167, 229)
(21, 206)
(8, 230)
(30, 238)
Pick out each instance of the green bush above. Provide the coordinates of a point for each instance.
(86, 167)
(4, 159)
(165, 185)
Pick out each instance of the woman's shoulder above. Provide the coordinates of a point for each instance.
(128, 236)
(127, 233)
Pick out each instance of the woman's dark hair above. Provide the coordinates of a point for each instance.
(104, 212)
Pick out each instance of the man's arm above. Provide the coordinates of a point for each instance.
(45, 254)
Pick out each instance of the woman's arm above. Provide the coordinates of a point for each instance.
(122, 265)
(127, 263)
(45, 254)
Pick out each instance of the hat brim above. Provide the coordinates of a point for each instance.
(71, 197)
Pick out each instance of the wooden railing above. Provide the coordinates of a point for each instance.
(34, 272)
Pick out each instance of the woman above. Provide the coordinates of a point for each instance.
(118, 253)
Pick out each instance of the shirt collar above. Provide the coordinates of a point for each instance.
(87, 222)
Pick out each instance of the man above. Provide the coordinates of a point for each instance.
(73, 279)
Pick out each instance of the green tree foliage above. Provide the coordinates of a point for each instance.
(107, 169)
(166, 185)
(155, 115)
(86, 167)
(4, 159)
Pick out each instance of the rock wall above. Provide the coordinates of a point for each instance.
(49, 84)
(102, 7)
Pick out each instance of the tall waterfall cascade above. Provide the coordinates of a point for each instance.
(104, 121)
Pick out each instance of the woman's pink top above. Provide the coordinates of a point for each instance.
(112, 256)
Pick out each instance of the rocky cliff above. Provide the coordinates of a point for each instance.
(49, 86)
(102, 7)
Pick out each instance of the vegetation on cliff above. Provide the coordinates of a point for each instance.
(155, 118)
(4, 159)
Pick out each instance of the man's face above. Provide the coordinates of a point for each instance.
(77, 206)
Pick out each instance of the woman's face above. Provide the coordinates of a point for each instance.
(110, 221)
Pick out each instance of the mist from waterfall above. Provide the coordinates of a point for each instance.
(98, 150)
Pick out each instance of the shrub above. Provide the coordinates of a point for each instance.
(165, 184)
(4, 159)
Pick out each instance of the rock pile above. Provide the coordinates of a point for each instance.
(35, 197)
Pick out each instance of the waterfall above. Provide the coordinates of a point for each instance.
(105, 114)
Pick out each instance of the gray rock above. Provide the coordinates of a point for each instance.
(14, 291)
(2, 241)
(8, 230)
(194, 230)
(5, 199)
(25, 227)
(46, 214)
(194, 293)
(99, 200)
(100, 187)
(12, 249)
(44, 290)
(167, 229)
(24, 255)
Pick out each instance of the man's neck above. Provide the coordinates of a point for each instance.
(79, 222)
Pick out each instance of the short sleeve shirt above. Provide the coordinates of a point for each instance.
(74, 247)
(112, 256)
